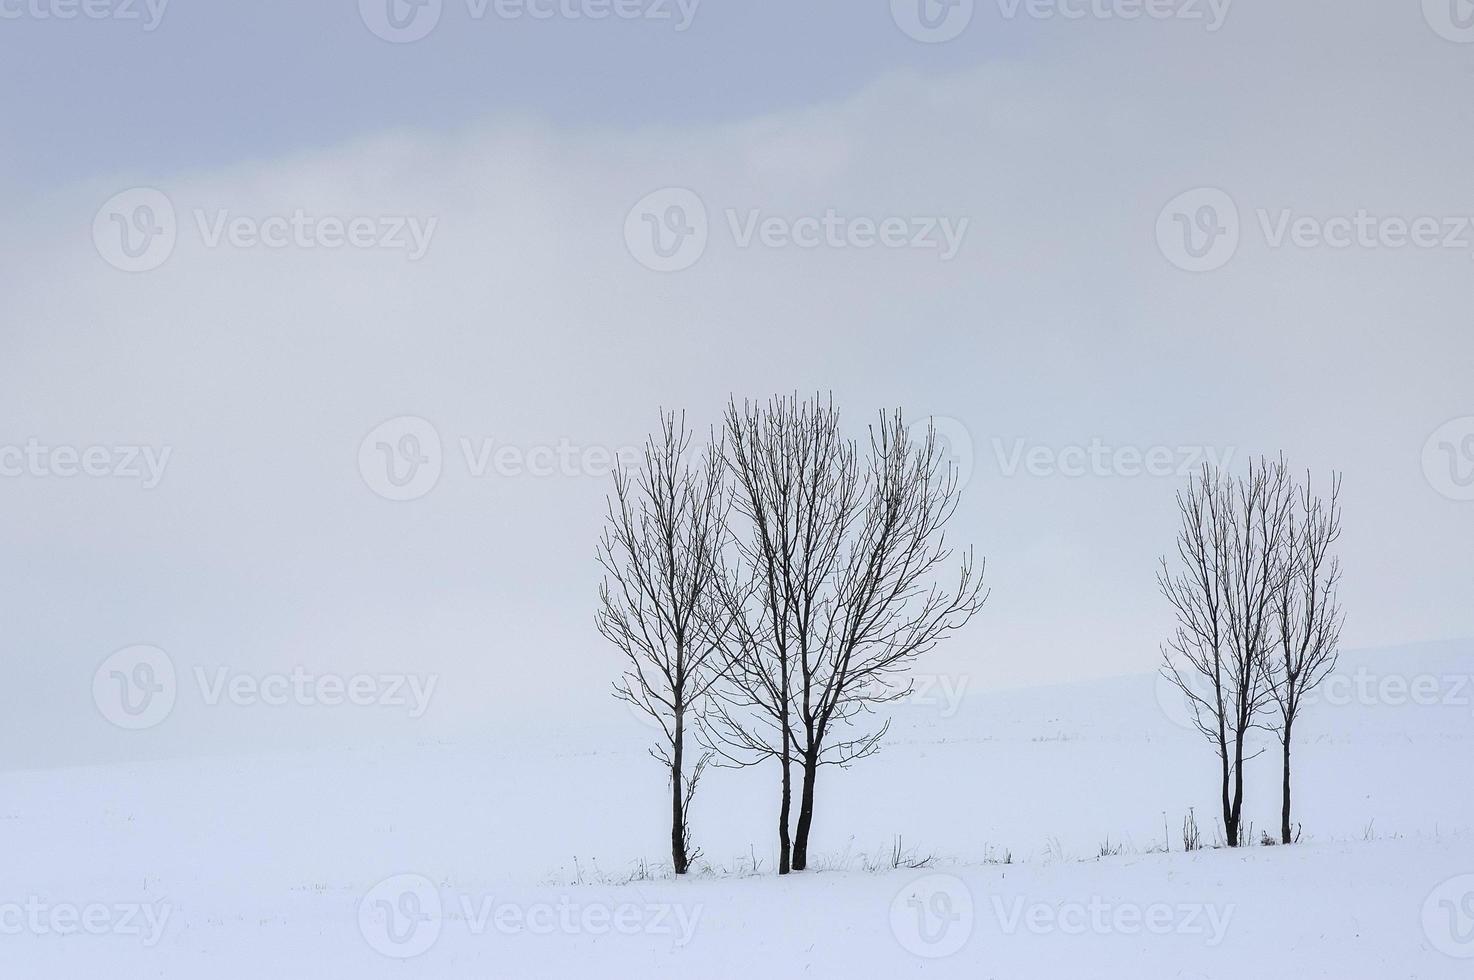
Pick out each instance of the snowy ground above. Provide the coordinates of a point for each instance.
(506, 856)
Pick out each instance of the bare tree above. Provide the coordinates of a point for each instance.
(658, 603)
(1307, 616)
(797, 489)
(1223, 596)
(1194, 658)
(889, 607)
(844, 560)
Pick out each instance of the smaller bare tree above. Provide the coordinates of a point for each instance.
(1223, 595)
(1307, 617)
(658, 604)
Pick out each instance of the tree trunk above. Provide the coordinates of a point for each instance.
(1234, 824)
(1230, 825)
(1285, 837)
(805, 813)
(784, 845)
(678, 855)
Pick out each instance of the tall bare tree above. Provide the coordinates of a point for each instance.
(1307, 616)
(797, 490)
(845, 556)
(658, 604)
(890, 606)
(1223, 594)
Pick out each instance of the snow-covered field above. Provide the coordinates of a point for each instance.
(513, 854)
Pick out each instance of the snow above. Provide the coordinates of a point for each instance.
(333, 863)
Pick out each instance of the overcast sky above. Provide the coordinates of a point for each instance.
(240, 238)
